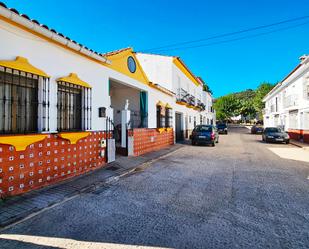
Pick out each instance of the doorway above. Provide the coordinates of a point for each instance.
(178, 127)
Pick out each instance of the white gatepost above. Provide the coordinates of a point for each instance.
(125, 120)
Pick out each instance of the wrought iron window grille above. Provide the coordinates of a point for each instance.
(73, 107)
(24, 101)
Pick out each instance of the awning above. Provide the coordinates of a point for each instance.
(23, 65)
(160, 103)
(168, 106)
(73, 79)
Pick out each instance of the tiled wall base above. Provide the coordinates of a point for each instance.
(46, 162)
(299, 135)
(147, 140)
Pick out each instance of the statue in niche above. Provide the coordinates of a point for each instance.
(126, 107)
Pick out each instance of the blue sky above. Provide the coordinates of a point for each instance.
(105, 25)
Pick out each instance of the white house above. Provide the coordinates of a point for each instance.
(192, 104)
(65, 109)
(287, 104)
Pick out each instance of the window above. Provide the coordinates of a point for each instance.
(73, 107)
(168, 117)
(24, 102)
(293, 124)
(160, 116)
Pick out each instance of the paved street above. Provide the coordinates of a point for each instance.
(239, 194)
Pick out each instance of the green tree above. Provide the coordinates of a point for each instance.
(206, 88)
(260, 93)
(227, 106)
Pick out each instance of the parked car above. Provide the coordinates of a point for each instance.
(275, 134)
(205, 134)
(222, 128)
(257, 129)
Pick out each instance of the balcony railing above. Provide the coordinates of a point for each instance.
(183, 96)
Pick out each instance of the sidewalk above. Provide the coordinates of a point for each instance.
(299, 144)
(20, 207)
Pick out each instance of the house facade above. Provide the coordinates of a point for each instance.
(66, 109)
(287, 105)
(192, 105)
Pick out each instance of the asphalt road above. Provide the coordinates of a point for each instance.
(239, 194)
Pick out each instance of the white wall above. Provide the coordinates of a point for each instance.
(157, 68)
(57, 62)
(293, 105)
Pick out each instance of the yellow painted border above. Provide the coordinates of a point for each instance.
(183, 68)
(160, 130)
(22, 64)
(73, 137)
(190, 106)
(169, 129)
(20, 142)
(50, 40)
(74, 79)
(165, 91)
(181, 103)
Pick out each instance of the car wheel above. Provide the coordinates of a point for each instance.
(226, 133)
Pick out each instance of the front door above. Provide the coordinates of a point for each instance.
(179, 132)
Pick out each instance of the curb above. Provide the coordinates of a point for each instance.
(91, 188)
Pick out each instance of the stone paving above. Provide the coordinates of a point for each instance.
(16, 208)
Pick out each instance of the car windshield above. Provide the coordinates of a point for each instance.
(203, 128)
(221, 125)
(273, 129)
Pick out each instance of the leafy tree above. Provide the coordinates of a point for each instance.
(247, 109)
(206, 88)
(260, 93)
(227, 106)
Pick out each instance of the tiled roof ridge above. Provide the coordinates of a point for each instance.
(49, 29)
(114, 52)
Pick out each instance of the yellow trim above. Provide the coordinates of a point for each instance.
(160, 130)
(160, 103)
(196, 108)
(168, 106)
(181, 103)
(190, 106)
(73, 79)
(185, 70)
(73, 137)
(49, 39)
(160, 89)
(169, 129)
(22, 64)
(119, 63)
(21, 142)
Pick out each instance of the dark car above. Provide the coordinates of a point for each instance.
(205, 134)
(257, 129)
(222, 128)
(275, 134)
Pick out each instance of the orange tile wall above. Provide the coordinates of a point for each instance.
(147, 140)
(297, 134)
(46, 162)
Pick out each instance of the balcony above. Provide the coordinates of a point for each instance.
(182, 97)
